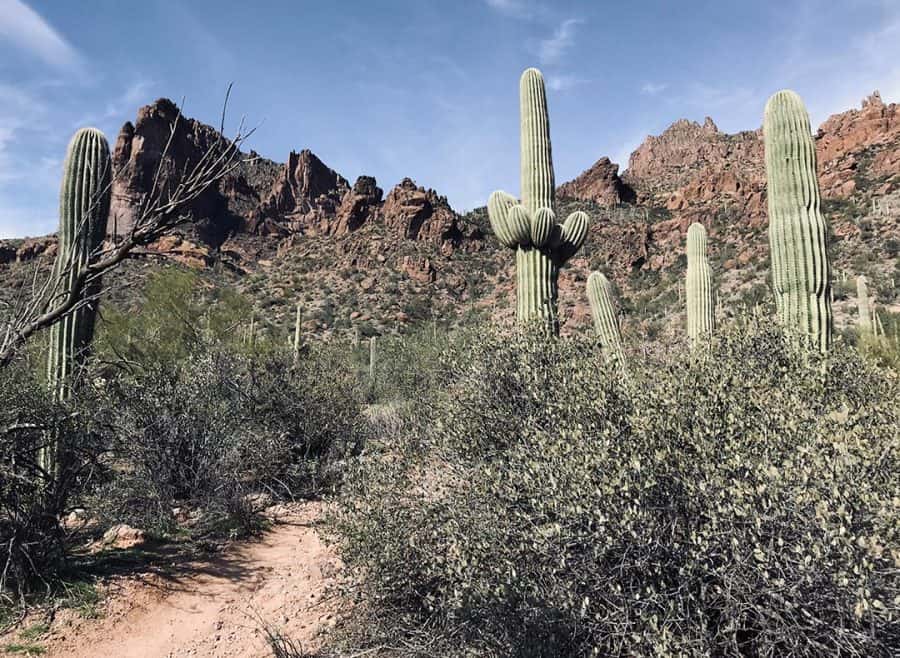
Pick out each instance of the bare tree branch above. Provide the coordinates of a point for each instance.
(64, 292)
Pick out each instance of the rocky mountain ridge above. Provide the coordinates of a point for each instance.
(303, 221)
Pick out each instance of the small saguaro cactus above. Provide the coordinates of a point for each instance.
(797, 230)
(701, 305)
(298, 329)
(83, 211)
(604, 313)
(542, 246)
(864, 304)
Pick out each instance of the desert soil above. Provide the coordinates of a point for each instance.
(216, 607)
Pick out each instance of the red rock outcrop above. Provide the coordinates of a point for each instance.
(697, 173)
(359, 204)
(414, 213)
(673, 159)
(182, 251)
(690, 164)
(161, 140)
(600, 184)
(848, 138)
(418, 269)
(31, 248)
(304, 198)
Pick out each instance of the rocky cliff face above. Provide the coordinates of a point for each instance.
(301, 197)
(600, 184)
(161, 140)
(697, 173)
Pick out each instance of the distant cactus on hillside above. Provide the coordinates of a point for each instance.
(701, 309)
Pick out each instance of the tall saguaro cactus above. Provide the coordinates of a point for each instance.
(797, 230)
(701, 308)
(603, 311)
(542, 246)
(83, 211)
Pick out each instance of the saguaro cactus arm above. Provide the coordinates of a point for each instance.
(797, 230)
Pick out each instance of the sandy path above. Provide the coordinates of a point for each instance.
(214, 608)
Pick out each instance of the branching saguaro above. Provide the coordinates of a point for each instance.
(797, 230)
(75, 283)
(542, 246)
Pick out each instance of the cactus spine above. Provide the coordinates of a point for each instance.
(542, 246)
(603, 310)
(797, 230)
(701, 307)
(864, 304)
(83, 210)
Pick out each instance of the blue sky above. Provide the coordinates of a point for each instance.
(420, 88)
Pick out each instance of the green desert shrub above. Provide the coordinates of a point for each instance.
(210, 431)
(405, 365)
(737, 501)
(178, 313)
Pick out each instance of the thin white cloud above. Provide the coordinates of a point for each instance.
(653, 88)
(705, 97)
(19, 112)
(521, 9)
(24, 28)
(564, 82)
(552, 49)
(505, 6)
(124, 106)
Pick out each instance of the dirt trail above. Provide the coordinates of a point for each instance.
(213, 608)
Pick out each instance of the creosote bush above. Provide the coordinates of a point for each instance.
(741, 501)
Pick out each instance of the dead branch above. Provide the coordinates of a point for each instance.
(70, 288)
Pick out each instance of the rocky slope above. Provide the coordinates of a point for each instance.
(356, 257)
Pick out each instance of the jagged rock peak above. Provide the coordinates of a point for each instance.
(416, 213)
(600, 184)
(873, 100)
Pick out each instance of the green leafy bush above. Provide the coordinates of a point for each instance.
(738, 501)
(177, 314)
(405, 366)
